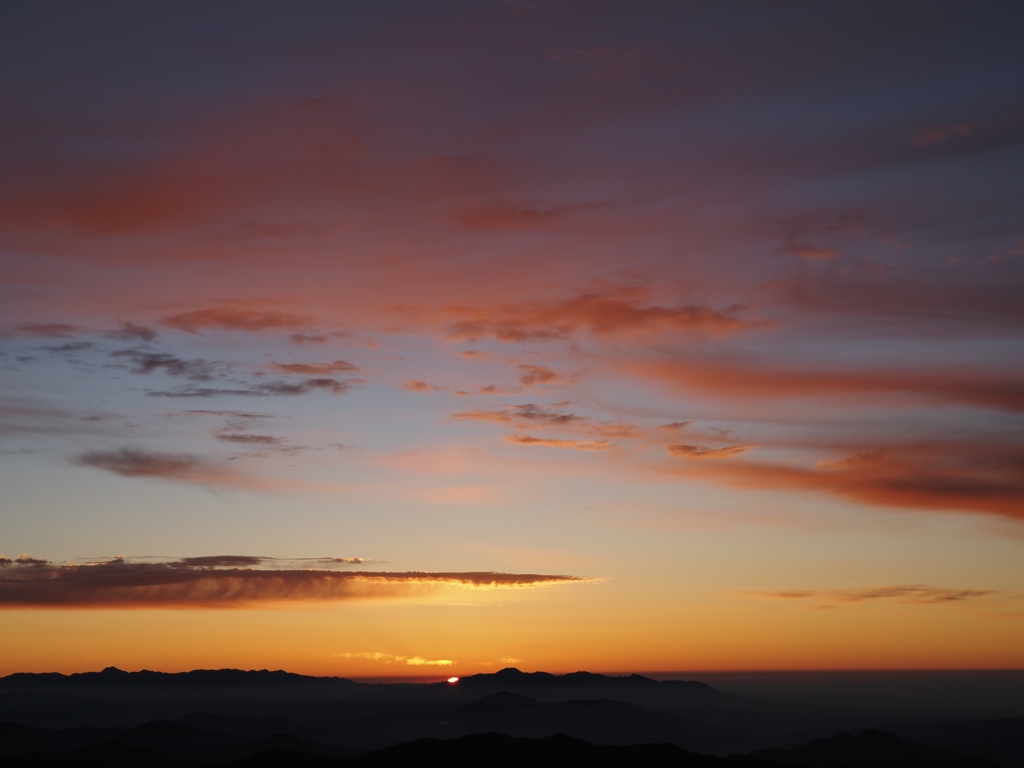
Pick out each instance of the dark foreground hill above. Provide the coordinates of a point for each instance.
(500, 751)
(870, 750)
(476, 750)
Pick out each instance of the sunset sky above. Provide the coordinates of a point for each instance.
(400, 339)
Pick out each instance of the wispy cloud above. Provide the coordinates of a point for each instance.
(904, 593)
(503, 216)
(584, 432)
(242, 438)
(390, 658)
(47, 330)
(301, 339)
(803, 235)
(416, 385)
(533, 375)
(257, 561)
(144, 362)
(131, 331)
(23, 417)
(228, 318)
(313, 369)
(183, 467)
(532, 414)
(579, 445)
(226, 582)
(318, 375)
(69, 347)
(703, 452)
(234, 419)
(675, 426)
(263, 389)
(618, 311)
(489, 389)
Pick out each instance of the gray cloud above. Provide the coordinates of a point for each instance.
(314, 369)
(69, 347)
(133, 462)
(537, 374)
(129, 331)
(675, 426)
(267, 389)
(147, 362)
(245, 415)
(236, 437)
(19, 417)
(306, 338)
(47, 330)
(531, 415)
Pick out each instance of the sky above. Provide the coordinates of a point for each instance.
(402, 339)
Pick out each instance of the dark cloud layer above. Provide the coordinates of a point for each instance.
(247, 561)
(223, 582)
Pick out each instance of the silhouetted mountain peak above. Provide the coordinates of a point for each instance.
(224, 678)
(197, 677)
(519, 679)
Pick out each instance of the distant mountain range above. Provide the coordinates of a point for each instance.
(220, 717)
